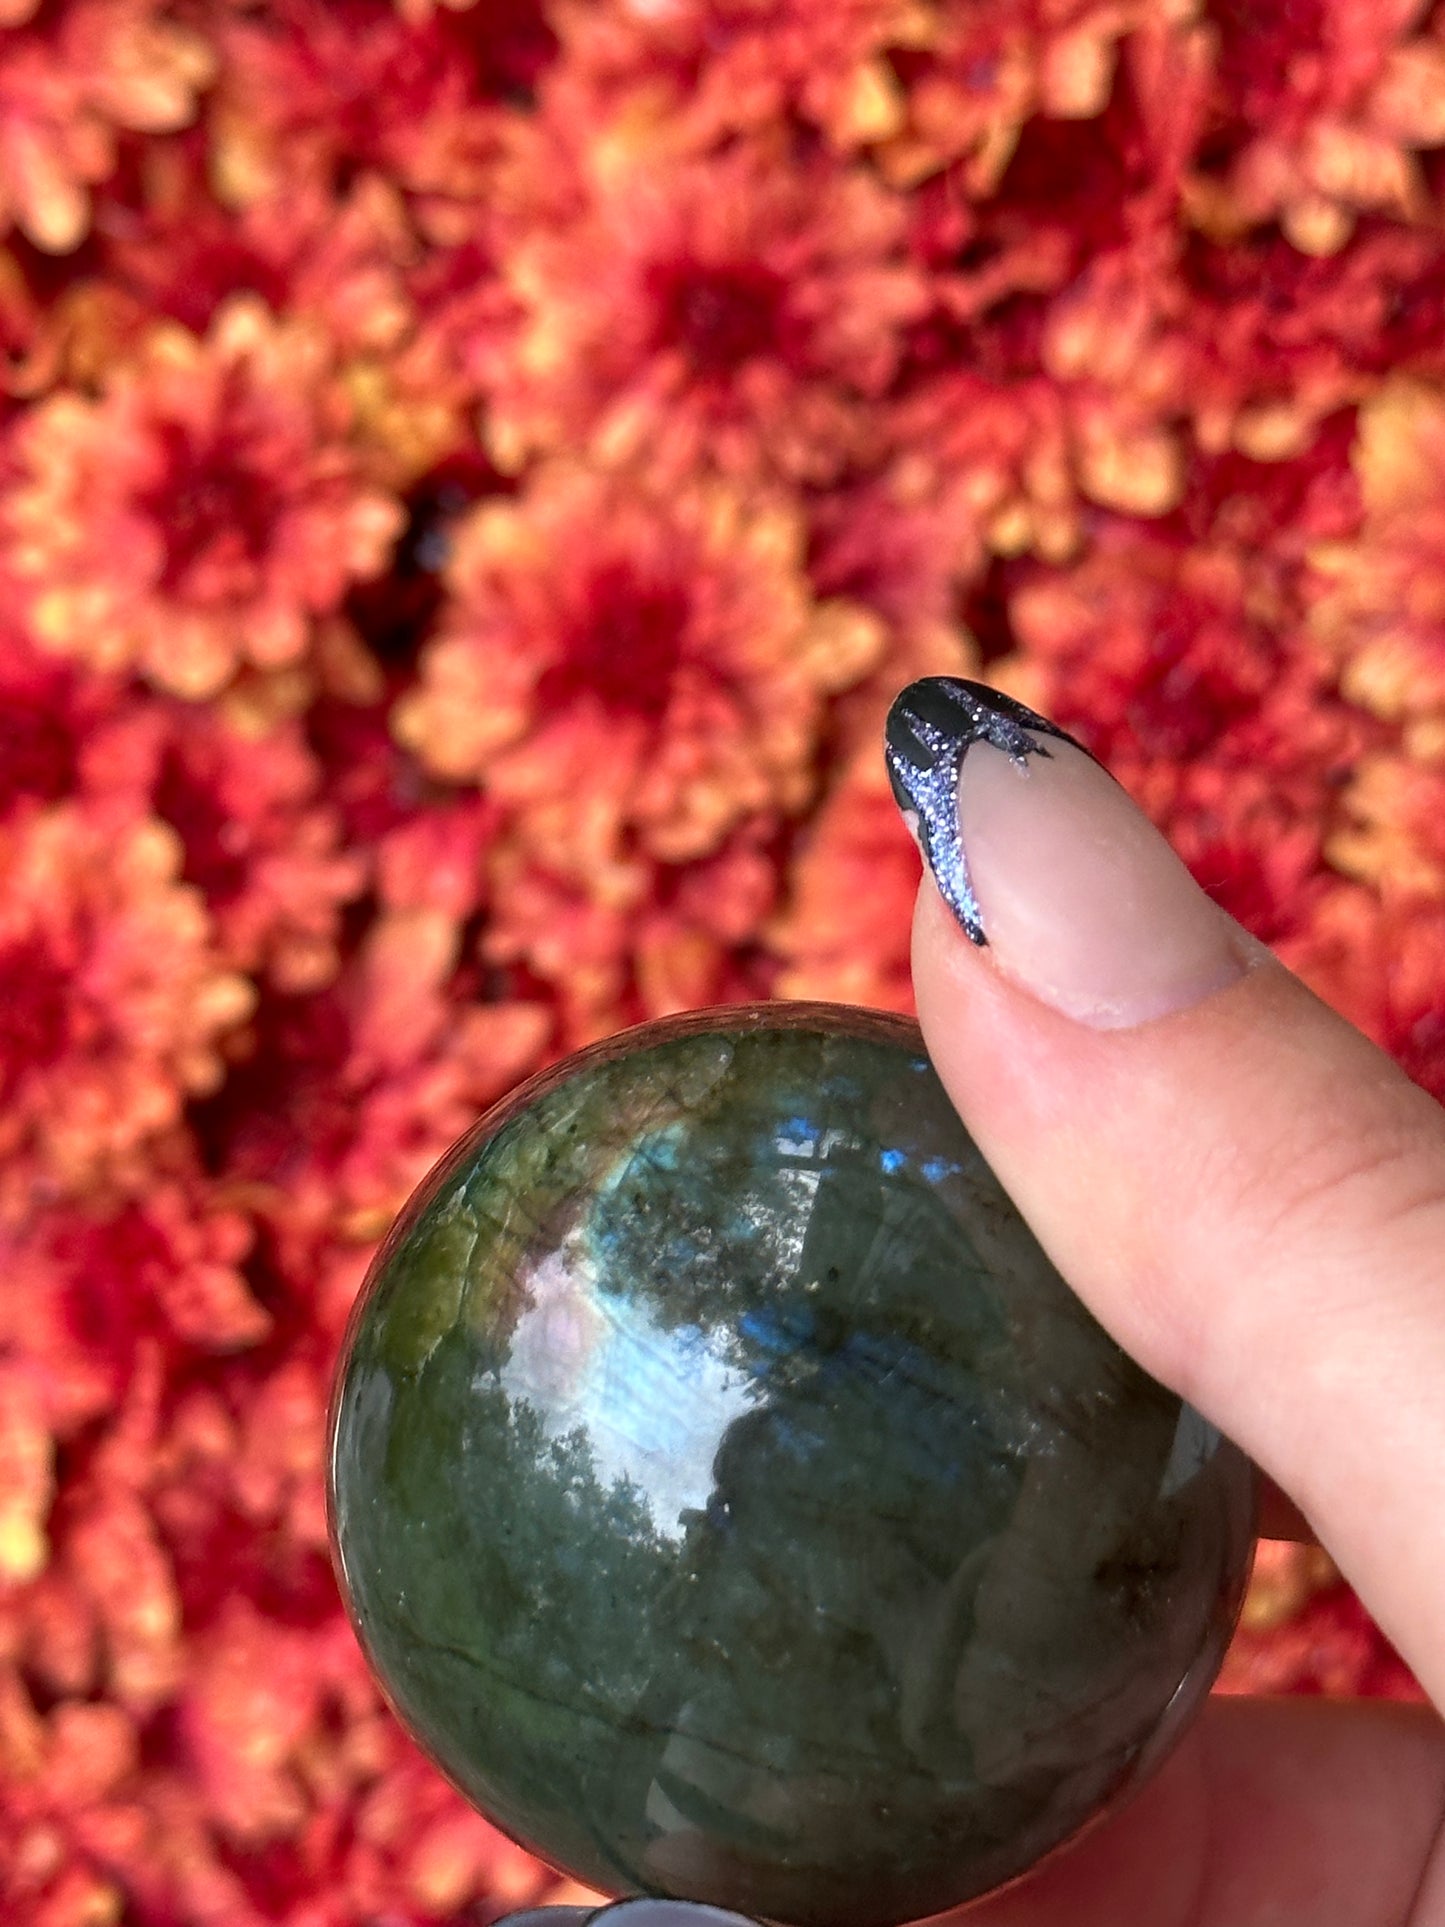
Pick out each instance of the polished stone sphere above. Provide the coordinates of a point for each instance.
(737, 1505)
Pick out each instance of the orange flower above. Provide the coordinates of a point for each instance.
(308, 254)
(349, 1096)
(1278, 342)
(741, 63)
(1180, 666)
(93, 1286)
(319, 91)
(618, 664)
(1392, 833)
(680, 936)
(995, 64)
(1010, 465)
(350, 266)
(1381, 963)
(741, 309)
(845, 931)
(1379, 605)
(70, 81)
(1326, 114)
(258, 842)
(202, 511)
(113, 1000)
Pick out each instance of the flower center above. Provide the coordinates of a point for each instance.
(215, 842)
(35, 1015)
(721, 316)
(37, 751)
(216, 512)
(624, 647)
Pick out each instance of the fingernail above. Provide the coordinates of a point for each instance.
(628, 1913)
(1041, 855)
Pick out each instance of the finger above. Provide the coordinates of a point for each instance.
(1244, 1190)
(1287, 1813)
(1270, 1813)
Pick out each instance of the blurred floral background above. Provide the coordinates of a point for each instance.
(471, 478)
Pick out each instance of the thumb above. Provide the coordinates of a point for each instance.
(1246, 1192)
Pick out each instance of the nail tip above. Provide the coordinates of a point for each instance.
(931, 725)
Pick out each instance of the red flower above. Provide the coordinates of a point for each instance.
(1009, 464)
(349, 1096)
(744, 63)
(259, 843)
(619, 664)
(94, 1287)
(70, 81)
(1220, 723)
(1303, 1631)
(844, 934)
(317, 91)
(60, 730)
(1278, 341)
(1323, 110)
(307, 255)
(679, 937)
(740, 309)
(1382, 965)
(202, 511)
(113, 999)
(1379, 599)
(995, 64)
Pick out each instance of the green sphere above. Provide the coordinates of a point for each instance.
(735, 1502)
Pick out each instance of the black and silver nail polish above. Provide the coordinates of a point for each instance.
(931, 727)
(629, 1913)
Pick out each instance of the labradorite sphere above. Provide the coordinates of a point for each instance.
(737, 1505)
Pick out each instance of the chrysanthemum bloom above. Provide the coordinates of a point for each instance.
(92, 1286)
(994, 64)
(361, 1119)
(1380, 598)
(350, 264)
(1323, 112)
(339, 261)
(897, 545)
(245, 799)
(1093, 412)
(740, 309)
(1381, 962)
(736, 64)
(616, 664)
(200, 513)
(1392, 829)
(1303, 1631)
(668, 937)
(61, 730)
(1181, 667)
(347, 1097)
(991, 464)
(1165, 653)
(844, 931)
(113, 1000)
(72, 78)
(1278, 341)
(259, 843)
(325, 90)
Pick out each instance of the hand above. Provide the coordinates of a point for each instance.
(1251, 1197)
